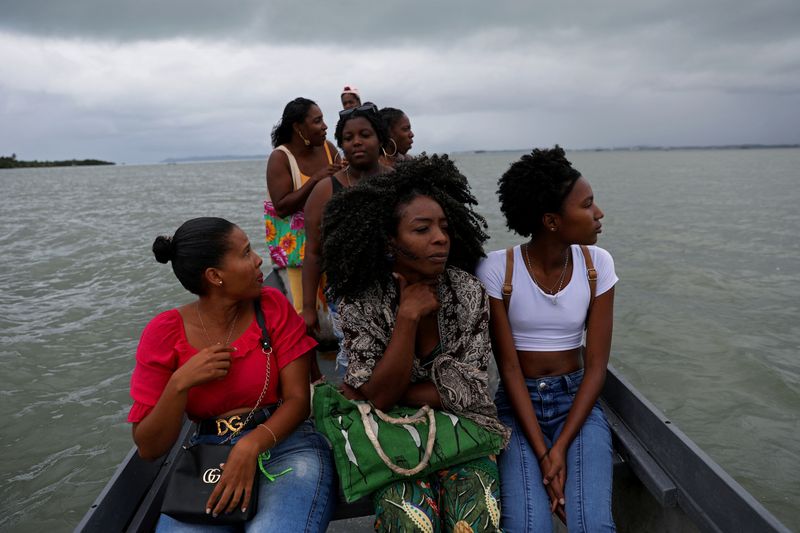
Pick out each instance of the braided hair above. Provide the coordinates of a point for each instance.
(536, 184)
(354, 254)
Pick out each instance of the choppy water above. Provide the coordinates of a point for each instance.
(706, 246)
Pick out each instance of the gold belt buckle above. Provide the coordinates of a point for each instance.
(232, 423)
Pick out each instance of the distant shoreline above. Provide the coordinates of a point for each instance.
(222, 158)
(645, 148)
(668, 148)
(13, 162)
(207, 158)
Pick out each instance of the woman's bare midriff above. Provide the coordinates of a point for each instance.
(538, 364)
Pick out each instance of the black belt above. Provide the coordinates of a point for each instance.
(224, 425)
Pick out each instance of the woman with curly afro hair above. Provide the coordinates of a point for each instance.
(546, 296)
(415, 322)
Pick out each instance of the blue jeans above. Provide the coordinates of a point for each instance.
(589, 469)
(301, 500)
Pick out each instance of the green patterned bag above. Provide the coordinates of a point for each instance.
(410, 442)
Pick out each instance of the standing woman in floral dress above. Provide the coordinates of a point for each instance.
(301, 159)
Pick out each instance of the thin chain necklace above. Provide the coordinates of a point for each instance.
(205, 331)
(347, 174)
(553, 290)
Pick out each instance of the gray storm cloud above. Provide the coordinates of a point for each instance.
(141, 81)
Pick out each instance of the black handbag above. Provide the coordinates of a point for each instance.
(195, 475)
(197, 470)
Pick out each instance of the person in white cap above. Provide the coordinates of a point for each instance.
(350, 97)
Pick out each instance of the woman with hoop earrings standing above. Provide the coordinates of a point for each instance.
(546, 296)
(302, 158)
(400, 136)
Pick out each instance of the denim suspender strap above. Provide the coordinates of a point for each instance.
(507, 286)
(591, 275)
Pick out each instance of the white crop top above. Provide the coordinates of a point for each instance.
(536, 324)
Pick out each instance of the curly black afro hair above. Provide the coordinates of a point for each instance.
(359, 222)
(536, 184)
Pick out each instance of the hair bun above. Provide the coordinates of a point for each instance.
(163, 249)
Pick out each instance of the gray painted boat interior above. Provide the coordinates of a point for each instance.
(663, 482)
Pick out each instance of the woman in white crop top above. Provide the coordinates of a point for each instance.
(559, 456)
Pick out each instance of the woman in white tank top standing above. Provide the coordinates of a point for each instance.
(559, 458)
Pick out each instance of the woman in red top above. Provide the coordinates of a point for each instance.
(204, 359)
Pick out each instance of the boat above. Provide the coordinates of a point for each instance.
(663, 482)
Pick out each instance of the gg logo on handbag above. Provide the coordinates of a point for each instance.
(211, 476)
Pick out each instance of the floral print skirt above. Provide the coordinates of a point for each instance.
(463, 498)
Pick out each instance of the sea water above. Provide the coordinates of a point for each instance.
(706, 245)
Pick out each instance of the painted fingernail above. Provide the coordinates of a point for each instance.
(244, 509)
(208, 511)
(561, 501)
(215, 515)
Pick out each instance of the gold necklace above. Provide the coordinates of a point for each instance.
(347, 175)
(205, 331)
(553, 291)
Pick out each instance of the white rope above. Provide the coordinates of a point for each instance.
(417, 418)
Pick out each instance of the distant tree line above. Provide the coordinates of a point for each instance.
(13, 162)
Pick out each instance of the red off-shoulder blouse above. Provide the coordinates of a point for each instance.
(163, 348)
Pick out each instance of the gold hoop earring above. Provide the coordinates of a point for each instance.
(395, 148)
(305, 141)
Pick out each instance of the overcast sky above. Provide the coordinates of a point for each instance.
(141, 81)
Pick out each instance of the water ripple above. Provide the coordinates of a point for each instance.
(706, 305)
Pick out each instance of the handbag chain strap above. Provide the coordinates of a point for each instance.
(417, 418)
(266, 349)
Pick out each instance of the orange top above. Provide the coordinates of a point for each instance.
(304, 178)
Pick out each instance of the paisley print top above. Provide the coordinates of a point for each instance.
(459, 371)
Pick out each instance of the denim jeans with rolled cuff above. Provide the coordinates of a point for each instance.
(302, 500)
(589, 468)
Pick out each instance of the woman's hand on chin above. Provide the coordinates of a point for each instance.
(417, 299)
